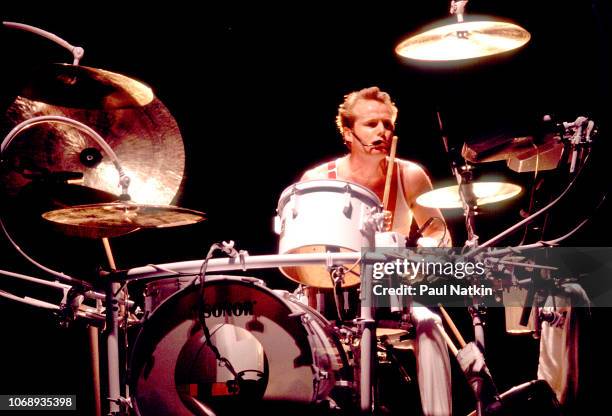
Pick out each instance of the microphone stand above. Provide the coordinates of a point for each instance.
(112, 298)
(464, 177)
(76, 51)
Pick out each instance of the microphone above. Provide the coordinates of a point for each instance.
(375, 143)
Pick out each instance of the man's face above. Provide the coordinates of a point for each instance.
(373, 125)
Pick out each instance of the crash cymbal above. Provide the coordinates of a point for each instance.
(464, 40)
(486, 193)
(145, 138)
(78, 86)
(117, 218)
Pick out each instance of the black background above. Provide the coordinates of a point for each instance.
(254, 89)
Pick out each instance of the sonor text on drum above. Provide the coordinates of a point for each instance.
(229, 309)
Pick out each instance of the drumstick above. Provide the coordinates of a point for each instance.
(449, 341)
(452, 326)
(109, 253)
(389, 172)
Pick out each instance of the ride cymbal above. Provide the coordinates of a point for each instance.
(465, 40)
(485, 192)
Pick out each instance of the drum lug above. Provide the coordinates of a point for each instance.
(252, 280)
(348, 208)
(293, 202)
(278, 229)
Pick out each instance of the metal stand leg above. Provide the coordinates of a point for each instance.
(112, 341)
(368, 348)
(95, 367)
(112, 345)
(368, 342)
(477, 381)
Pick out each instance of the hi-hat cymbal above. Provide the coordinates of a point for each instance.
(146, 140)
(398, 338)
(78, 86)
(118, 218)
(486, 193)
(464, 40)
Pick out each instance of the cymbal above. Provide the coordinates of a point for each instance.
(77, 86)
(145, 138)
(486, 193)
(465, 40)
(45, 196)
(398, 338)
(118, 218)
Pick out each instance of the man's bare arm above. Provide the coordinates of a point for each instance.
(416, 182)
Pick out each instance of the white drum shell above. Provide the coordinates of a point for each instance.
(324, 216)
(326, 212)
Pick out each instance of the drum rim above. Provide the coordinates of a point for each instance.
(209, 278)
(334, 184)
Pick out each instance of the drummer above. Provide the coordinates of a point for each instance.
(366, 121)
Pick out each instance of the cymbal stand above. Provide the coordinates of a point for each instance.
(470, 205)
(118, 404)
(463, 174)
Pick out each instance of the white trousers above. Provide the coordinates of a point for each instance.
(559, 360)
(433, 364)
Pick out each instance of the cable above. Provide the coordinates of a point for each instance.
(59, 275)
(532, 216)
(202, 319)
(533, 191)
(579, 226)
(445, 230)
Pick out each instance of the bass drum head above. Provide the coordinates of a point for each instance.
(175, 371)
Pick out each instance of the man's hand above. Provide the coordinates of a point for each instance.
(428, 242)
(387, 220)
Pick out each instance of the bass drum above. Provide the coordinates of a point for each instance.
(270, 348)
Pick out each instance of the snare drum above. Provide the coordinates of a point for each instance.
(279, 350)
(325, 216)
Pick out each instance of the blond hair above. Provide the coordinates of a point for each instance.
(346, 117)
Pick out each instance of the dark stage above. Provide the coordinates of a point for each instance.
(254, 90)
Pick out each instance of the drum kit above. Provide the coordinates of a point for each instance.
(212, 344)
